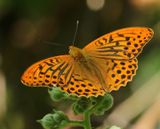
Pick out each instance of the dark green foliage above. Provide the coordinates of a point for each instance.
(56, 94)
(81, 105)
(54, 120)
(103, 104)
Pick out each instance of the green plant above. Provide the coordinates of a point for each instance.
(81, 105)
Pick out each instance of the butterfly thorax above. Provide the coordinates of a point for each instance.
(87, 66)
(77, 53)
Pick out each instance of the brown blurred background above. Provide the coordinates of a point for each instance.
(26, 25)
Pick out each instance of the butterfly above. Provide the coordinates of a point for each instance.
(104, 65)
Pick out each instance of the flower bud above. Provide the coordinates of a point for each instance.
(56, 94)
(54, 121)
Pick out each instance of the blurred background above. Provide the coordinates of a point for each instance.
(26, 25)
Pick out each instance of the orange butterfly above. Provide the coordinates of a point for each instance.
(104, 65)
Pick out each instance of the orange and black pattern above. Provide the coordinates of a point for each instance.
(112, 56)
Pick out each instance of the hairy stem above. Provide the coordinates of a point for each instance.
(76, 123)
(87, 120)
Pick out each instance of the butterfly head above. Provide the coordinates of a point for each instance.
(75, 52)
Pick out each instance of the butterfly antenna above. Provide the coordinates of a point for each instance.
(53, 43)
(75, 34)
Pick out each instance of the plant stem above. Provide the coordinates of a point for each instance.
(76, 123)
(87, 121)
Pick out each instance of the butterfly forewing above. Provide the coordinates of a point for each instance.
(59, 71)
(123, 44)
(49, 72)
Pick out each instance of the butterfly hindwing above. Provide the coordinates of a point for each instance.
(123, 44)
(83, 87)
(119, 73)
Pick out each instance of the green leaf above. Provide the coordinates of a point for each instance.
(103, 103)
(81, 105)
(59, 116)
(54, 120)
(56, 94)
(48, 122)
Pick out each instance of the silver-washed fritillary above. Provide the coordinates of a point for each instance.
(104, 65)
